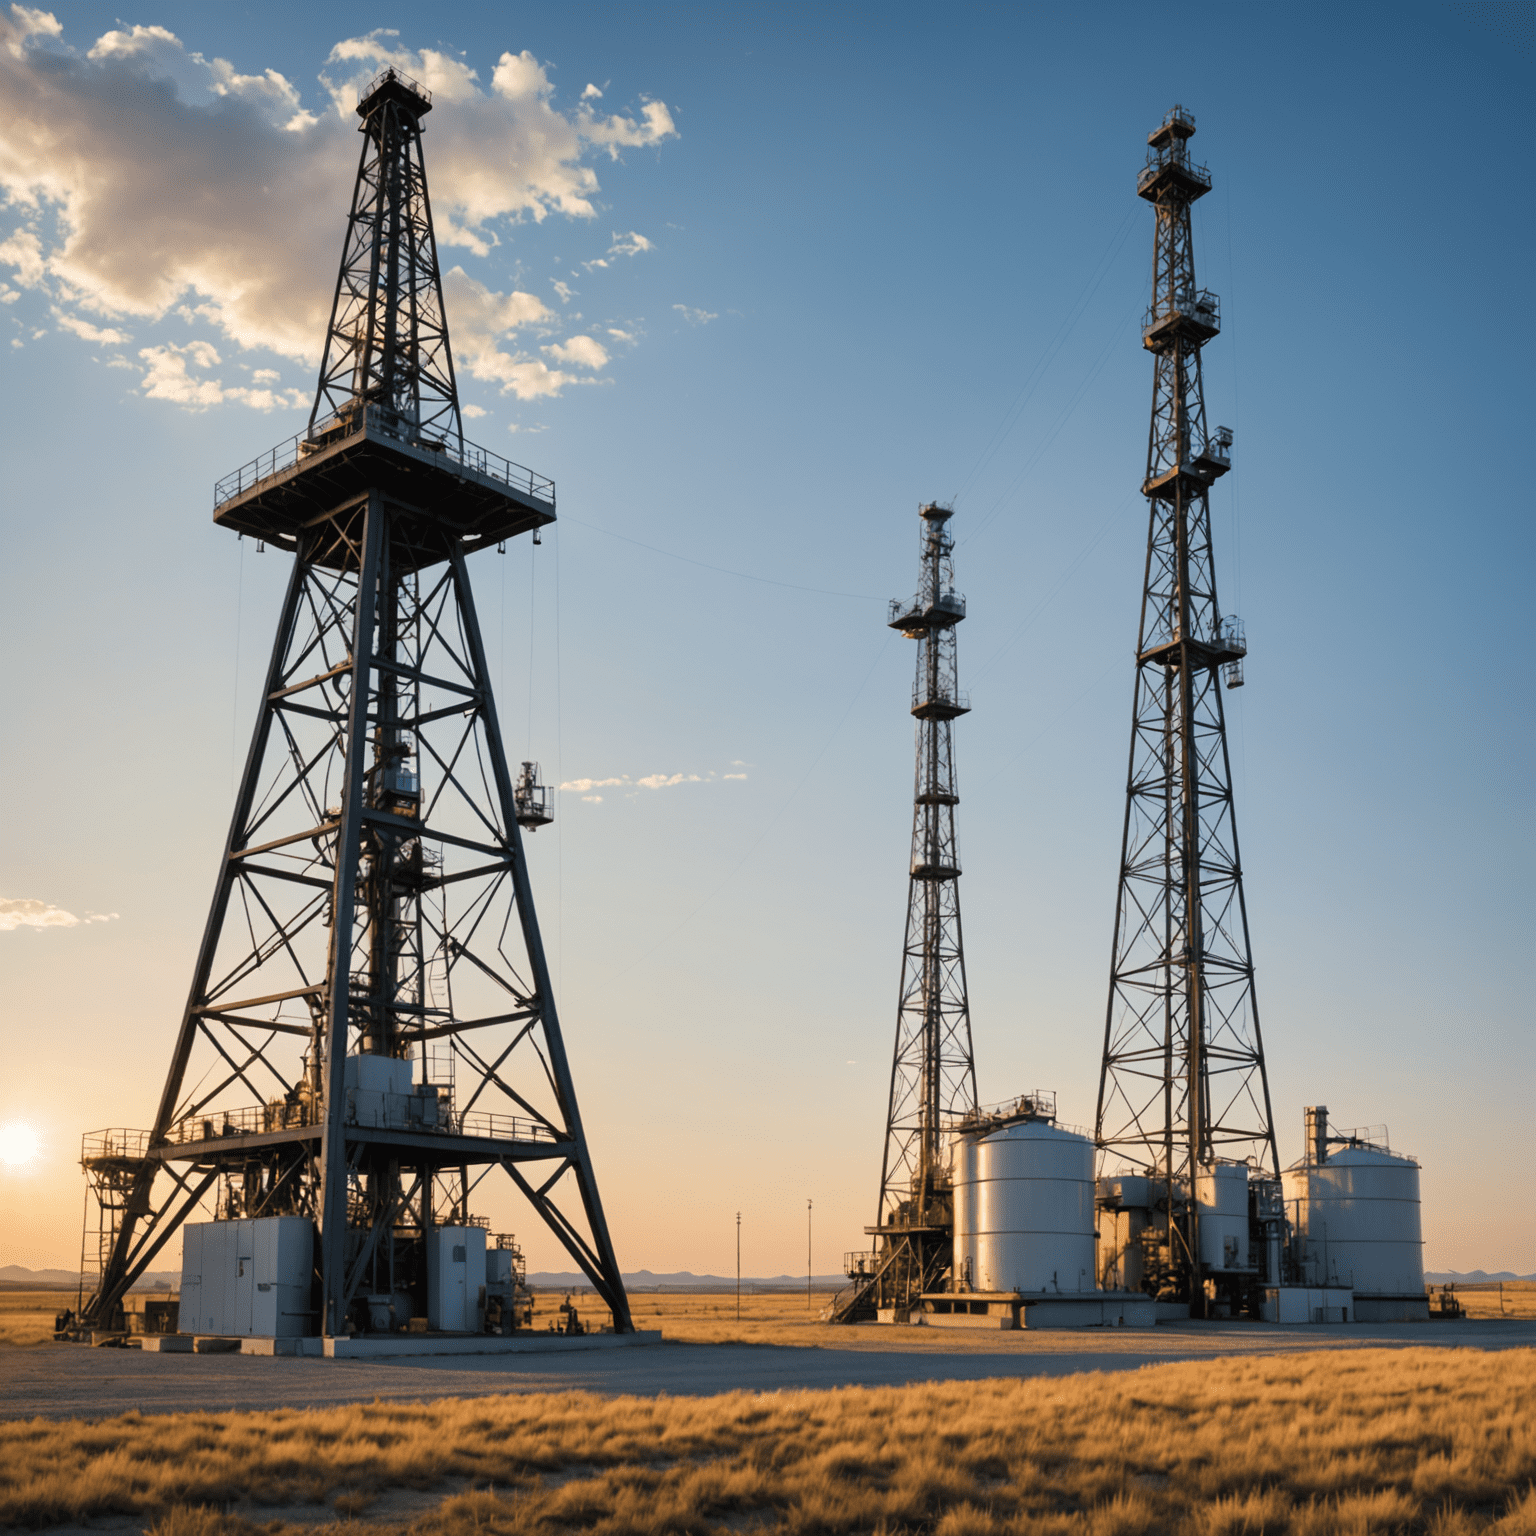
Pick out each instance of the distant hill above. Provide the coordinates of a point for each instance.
(14, 1278)
(1473, 1277)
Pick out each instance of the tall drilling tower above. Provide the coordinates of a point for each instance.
(1183, 1085)
(370, 1030)
(933, 1071)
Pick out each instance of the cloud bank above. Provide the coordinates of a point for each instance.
(146, 183)
(585, 787)
(28, 912)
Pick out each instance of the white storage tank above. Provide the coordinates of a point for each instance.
(1023, 1190)
(1356, 1215)
(1221, 1191)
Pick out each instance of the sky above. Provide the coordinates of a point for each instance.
(752, 283)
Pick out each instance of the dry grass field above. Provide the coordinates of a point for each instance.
(1512, 1298)
(780, 1317)
(26, 1317)
(1433, 1441)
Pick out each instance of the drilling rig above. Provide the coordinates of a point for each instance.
(933, 1070)
(1183, 1105)
(370, 1030)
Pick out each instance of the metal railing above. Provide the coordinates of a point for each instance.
(1039, 1105)
(503, 1127)
(383, 78)
(950, 698)
(1202, 306)
(951, 602)
(1159, 159)
(352, 422)
(113, 1146)
(254, 1120)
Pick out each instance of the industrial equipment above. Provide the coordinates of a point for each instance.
(933, 1073)
(1354, 1209)
(1023, 1189)
(1183, 1103)
(371, 1029)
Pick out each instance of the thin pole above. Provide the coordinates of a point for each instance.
(808, 1256)
(738, 1266)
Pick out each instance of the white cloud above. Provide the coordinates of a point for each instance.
(28, 912)
(580, 352)
(564, 290)
(694, 316)
(143, 178)
(24, 252)
(629, 245)
(627, 337)
(473, 411)
(105, 335)
(168, 376)
(591, 93)
(584, 787)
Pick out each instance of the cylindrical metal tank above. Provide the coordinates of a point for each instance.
(1357, 1215)
(1023, 1208)
(1222, 1192)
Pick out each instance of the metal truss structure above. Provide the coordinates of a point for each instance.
(370, 1030)
(1183, 1080)
(933, 1070)
(387, 341)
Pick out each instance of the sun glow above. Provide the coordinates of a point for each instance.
(19, 1145)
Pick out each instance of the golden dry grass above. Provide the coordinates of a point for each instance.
(1433, 1441)
(1514, 1298)
(26, 1317)
(776, 1318)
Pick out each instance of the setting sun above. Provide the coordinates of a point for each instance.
(18, 1144)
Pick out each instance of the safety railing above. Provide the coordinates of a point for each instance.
(383, 78)
(353, 422)
(391, 1110)
(957, 699)
(946, 604)
(503, 1127)
(1202, 307)
(1158, 160)
(113, 1146)
(1039, 1105)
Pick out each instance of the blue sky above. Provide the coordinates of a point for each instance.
(859, 258)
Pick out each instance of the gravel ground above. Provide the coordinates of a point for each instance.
(65, 1381)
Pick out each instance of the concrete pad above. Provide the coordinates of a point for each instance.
(167, 1343)
(966, 1320)
(207, 1344)
(396, 1345)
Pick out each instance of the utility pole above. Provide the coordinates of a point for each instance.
(933, 1070)
(1183, 1081)
(808, 1265)
(738, 1266)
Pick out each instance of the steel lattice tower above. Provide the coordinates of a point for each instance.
(933, 1070)
(373, 896)
(1183, 1080)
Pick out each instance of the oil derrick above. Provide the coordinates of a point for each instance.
(370, 1030)
(1183, 1086)
(933, 1071)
